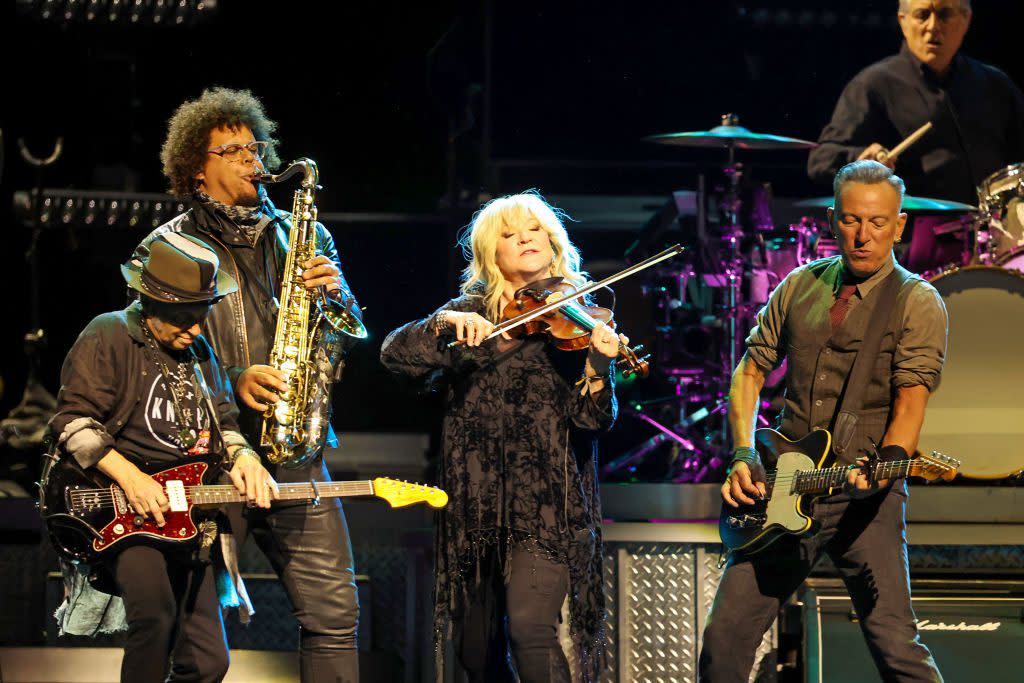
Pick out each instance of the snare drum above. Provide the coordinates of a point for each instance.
(977, 412)
(1001, 200)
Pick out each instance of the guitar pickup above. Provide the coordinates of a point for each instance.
(120, 501)
(176, 496)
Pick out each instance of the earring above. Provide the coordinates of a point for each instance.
(898, 240)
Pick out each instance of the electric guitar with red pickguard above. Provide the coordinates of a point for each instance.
(87, 514)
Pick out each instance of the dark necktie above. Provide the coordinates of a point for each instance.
(838, 311)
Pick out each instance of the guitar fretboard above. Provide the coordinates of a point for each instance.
(210, 495)
(816, 481)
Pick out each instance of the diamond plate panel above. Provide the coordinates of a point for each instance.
(992, 558)
(610, 576)
(662, 638)
(658, 597)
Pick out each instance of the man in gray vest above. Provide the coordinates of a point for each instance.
(817, 318)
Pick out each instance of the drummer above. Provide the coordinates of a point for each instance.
(977, 112)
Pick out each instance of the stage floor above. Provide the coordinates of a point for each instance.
(103, 665)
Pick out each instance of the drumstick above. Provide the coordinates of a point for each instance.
(911, 139)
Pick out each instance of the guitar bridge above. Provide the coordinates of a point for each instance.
(746, 521)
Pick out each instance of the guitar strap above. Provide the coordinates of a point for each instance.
(863, 363)
(205, 390)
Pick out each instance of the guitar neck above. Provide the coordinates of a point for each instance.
(212, 495)
(817, 481)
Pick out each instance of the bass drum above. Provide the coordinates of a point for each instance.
(977, 413)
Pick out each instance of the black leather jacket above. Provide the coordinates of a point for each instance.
(241, 327)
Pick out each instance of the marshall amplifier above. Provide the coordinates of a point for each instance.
(975, 631)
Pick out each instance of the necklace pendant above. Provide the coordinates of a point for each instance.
(186, 438)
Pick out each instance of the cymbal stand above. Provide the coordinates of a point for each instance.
(732, 235)
(36, 337)
(35, 398)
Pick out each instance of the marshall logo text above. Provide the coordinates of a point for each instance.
(927, 625)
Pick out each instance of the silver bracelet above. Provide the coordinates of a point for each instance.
(440, 322)
(245, 450)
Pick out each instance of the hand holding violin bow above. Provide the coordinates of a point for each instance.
(554, 307)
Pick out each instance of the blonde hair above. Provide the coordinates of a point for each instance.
(479, 244)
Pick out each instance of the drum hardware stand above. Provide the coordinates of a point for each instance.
(732, 235)
(631, 458)
(720, 263)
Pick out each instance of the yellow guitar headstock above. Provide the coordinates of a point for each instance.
(934, 466)
(401, 493)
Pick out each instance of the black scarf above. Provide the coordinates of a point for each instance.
(250, 220)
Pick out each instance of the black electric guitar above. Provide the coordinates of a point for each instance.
(87, 514)
(796, 471)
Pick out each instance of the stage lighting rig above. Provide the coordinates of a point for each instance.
(808, 15)
(98, 209)
(127, 12)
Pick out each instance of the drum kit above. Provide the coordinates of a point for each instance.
(704, 306)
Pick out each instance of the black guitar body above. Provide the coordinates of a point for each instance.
(752, 528)
(87, 514)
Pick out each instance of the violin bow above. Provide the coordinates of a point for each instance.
(674, 250)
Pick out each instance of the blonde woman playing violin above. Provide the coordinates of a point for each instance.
(522, 528)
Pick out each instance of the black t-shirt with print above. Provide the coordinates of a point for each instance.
(151, 434)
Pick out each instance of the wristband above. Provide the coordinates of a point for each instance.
(891, 453)
(587, 379)
(746, 454)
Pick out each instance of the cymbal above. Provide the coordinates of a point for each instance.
(730, 136)
(909, 204)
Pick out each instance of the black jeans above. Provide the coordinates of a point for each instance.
(309, 549)
(530, 601)
(173, 616)
(866, 540)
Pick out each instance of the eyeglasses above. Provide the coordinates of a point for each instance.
(185, 316)
(943, 16)
(233, 151)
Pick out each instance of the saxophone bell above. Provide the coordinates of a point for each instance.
(338, 315)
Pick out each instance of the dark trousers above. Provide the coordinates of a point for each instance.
(174, 619)
(309, 549)
(866, 540)
(520, 614)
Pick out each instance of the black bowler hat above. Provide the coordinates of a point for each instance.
(180, 269)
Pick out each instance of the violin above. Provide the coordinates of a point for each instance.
(569, 326)
(575, 316)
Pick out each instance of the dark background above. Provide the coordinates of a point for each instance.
(419, 109)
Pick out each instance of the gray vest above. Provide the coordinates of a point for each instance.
(820, 361)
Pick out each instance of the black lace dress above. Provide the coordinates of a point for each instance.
(519, 465)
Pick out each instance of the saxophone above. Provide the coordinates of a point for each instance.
(309, 339)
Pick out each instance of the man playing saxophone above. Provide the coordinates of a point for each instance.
(215, 150)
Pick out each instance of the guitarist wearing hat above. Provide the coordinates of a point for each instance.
(140, 391)
(819, 319)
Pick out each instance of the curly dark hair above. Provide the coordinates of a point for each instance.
(188, 133)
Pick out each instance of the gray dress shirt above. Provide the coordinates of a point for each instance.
(795, 325)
